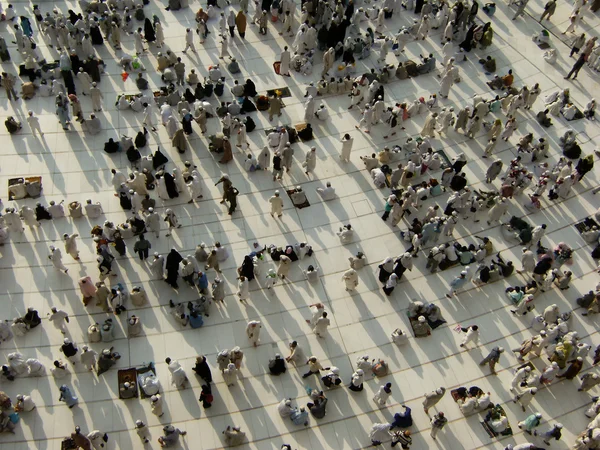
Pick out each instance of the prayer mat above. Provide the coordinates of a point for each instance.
(491, 433)
(282, 92)
(130, 376)
(277, 67)
(303, 205)
(586, 225)
(527, 364)
(298, 128)
(141, 371)
(457, 394)
(543, 45)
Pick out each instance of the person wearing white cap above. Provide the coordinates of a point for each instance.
(230, 374)
(142, 431)
(457, 283)
(549, 373)
(492, 359)
(178, 376)
(471, 335)
(56, 257)
(525, 397)
(153, 221)
(432, 398)
(310, 161)
(236, 356)
(34, 124)
(350, 278)
(356, 384)
(276, 205)
(59, 318)
(520, 376)
(253, 331)
(156, 403)
(88, 357)
(285, 408)
(24, 403)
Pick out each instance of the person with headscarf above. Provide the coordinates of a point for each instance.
(172, 267)
(356, 383)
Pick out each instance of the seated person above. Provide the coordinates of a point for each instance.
(327, 193)
(94, 126)
(234, 108)
(322, 113)
(298, 197)
(399, 337)
(233, 66)
(483, 401)
(168, 75)
(421, 328)
(122, 103)
(141, 82)
(195, 319)
(237, 90)
(149, 383)
(496, 83)
(277, 365)
(378, 177)
(250, 88)
(489, 9)
(489, 64)
(214, 73)
(371, 162)
(570, 112)
(550, 56)
(192, 78)
(128, 390)
(251, 163)
(111, 146)
(467, 405)
(346, 234)
(307, 133)
(427, 66)
(497, 421)
(402, 419)
(247, 107)
(543, 119)
(508, 79)
(12, 125)
(541, 38)
(317, 409)
(590, 110)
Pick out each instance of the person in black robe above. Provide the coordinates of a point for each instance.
(467, 44)
(172, 267)
(32, 318)
(159, 159)
(189, 96)
(419, 6)
(95, 33)
(349, 12)
(186, 123)
(140, 139)
(41, 213)
(250, 88)
(199, 92)
(247, 106)
(111, 146)
(69, 81)
(307, 133)
(133, 155)
(202, 369)
(247, 268)
(170, 184)
(91, 67)
(399, 269)
(149, 33)
(73, 17)
(125, 201)
(75, 62)
(266, 5)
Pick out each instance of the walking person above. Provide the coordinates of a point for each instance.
(492, 359)
(432, 398)
(438, 422)
(142, 247)
(576, 67)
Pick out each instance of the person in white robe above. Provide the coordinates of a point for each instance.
(253, 331)
(178, 376)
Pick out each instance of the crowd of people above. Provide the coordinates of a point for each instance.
(430, 197)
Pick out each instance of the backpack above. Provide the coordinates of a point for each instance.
(380, 368)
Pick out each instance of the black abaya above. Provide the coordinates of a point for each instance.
(96, 36)
(467, 44)
(172, 267)
(419, 6)
(247, 269)
(159, 159)
(170, 184)
(125, 201)
(149, 33)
